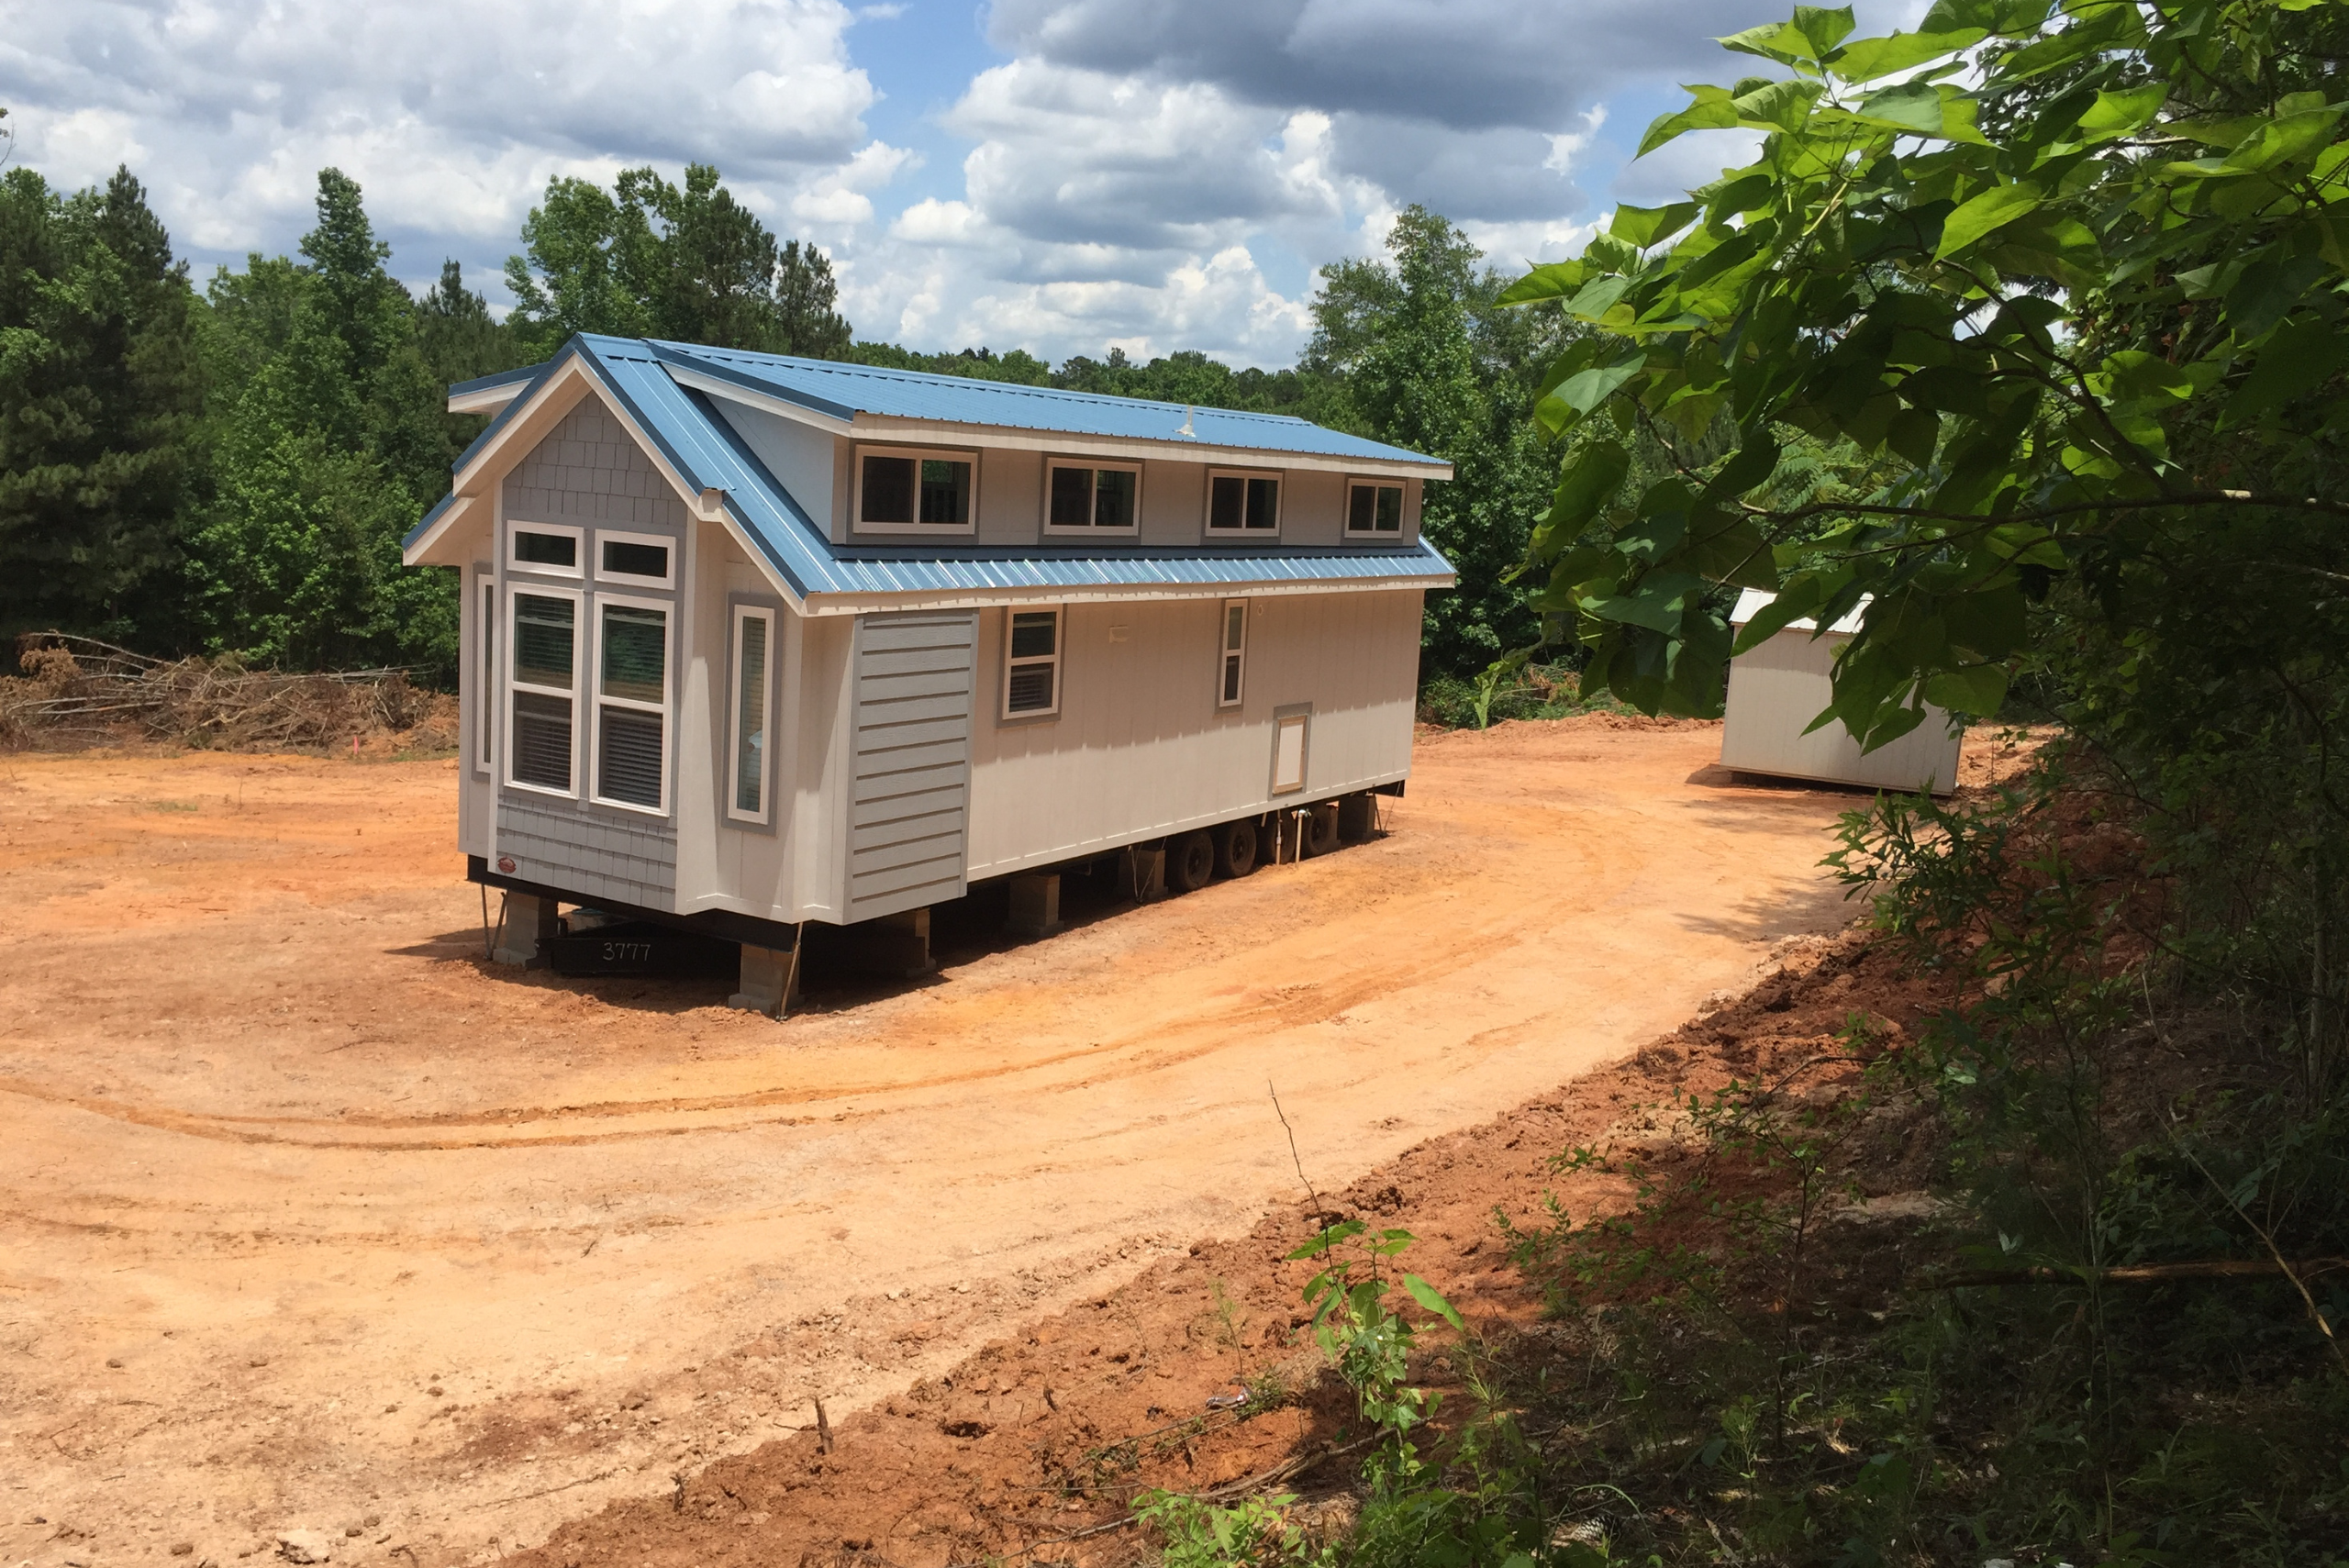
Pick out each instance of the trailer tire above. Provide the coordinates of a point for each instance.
(1235, 848)
(1320, 828)
(1190, 862)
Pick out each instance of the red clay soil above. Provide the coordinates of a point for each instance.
(1033, 1449)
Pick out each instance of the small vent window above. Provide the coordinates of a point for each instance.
(627, 558)
(1032, 664)
(1374, 509)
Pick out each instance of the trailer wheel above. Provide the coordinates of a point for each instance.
(1190, 862)
(1235, 848)
(1321, 828)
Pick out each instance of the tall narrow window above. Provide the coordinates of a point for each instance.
(1031, 665)
(484, 669)
(545, 642)
(1373, 509)
(1090, 500)
(753, 667)
(1243, 504)
(631, 705)
(1232, 668)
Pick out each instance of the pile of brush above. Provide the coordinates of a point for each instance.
(77, 692)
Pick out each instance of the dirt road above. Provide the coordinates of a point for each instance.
(308, 1220)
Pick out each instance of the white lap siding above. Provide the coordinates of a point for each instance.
(1139, 749)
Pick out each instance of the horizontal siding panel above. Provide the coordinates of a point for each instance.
(934, 848)
(908, 710)
(926, 633)
(914, 732)
(913, 802)
(884, 761)
(915, 662)
(946, 870)
(904, 829)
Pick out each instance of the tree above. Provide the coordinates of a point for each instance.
(652, 259)
(100, 395)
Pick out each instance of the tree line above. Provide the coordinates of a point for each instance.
(227, 469)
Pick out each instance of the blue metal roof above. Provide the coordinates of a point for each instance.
(843, 391)
(701, 445)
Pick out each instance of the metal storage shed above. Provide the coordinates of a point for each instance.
(1778, 688)
(751, 640)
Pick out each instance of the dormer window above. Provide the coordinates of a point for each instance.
(1244, 505)
(1093, 498)
(915, 490)
(1375, 508)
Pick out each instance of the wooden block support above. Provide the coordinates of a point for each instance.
(1036, 905)
(770, 982)
(529, 920)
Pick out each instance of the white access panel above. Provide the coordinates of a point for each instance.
(1778, 688)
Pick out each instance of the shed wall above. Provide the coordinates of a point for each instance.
(1776, 689)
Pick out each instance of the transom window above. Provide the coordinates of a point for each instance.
(634, 558)
(1092, 499)
(909, 490)
(631, 704)
(543, 716)
(1374, 508)
(545, 547)
(1031, 665)
(1244, 504)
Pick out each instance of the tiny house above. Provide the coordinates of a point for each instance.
(750, 640)
(1777, 688)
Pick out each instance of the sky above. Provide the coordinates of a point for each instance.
(1063, 176)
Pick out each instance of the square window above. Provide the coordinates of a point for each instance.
(1088, 499)
(901, 491)
(1243, 504)
(1374, 509)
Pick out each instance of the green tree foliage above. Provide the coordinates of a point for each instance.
(101, 392)
(1420, 355)
(685, 262)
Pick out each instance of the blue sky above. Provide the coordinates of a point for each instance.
(1057, 175)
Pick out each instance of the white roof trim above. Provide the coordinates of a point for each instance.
(855, 604)
(1752, 602)
(418, 554)
(718, 386)
(487, 399)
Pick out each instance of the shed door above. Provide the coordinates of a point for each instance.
(909, 803)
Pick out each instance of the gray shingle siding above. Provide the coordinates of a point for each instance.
(589, 470)
(564, 846)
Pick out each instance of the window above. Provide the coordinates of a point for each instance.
(912, 491)
(1232, 665)
(1244, 504)
(754, 674)
(1031, 665)
(484, 669)
(546, 546)
(1091, 500)
(631, 704)
(544, 638)
(1373, 509)
(636, 557)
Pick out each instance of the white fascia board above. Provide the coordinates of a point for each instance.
(1111, 593)
(486, 400)
(449, 526)
(735, 392)
(941, 432)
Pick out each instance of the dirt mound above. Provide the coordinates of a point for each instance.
(1037, 1445)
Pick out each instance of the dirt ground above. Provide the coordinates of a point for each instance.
(313, 1221)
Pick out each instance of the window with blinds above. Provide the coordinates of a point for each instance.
(631, 704)
(1032, 665)
(753, 668)
(543, 634)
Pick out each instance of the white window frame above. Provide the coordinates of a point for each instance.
(1058, 661)
(1299, 719)
(765, 812)
(666, 708)
(1280, 503)
(1226, 654)
(514, 562)
(1089, 530)
(629, 579)
(486, 682)
(1402, 505)
(856, 491)
(508, 684)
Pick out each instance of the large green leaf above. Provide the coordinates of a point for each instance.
(1982, 214)
(1871, 60)
(1594, 470)
(1643, 225)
